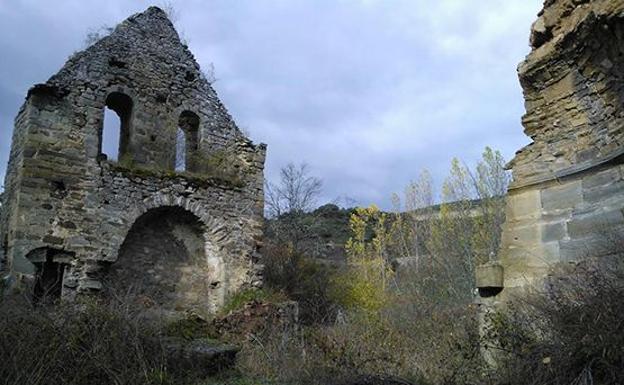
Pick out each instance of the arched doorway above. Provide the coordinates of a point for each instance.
(162, 262)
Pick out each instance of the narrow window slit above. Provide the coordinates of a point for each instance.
(187, 138)
(115, 134)
(180, 159)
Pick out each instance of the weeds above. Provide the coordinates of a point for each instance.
(240, 299)
(90, 342)
(572, 334)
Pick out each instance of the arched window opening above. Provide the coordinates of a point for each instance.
(115, 134)
(187, 139)
(110, 134)
(180, 159)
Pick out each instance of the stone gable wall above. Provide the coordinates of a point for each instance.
(66, 201)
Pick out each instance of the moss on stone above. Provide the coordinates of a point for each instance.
(198, 179)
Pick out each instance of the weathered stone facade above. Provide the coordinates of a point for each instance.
(75, 222)
(566, 200)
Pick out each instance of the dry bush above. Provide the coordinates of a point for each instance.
(410, 326)
(364, 345)
(438, 332)
(572, 334)
(90, 342)
(302, 280)
(420, 335)
(427, 346)
(322, 355)
(278, 355)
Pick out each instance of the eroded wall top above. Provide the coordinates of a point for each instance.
(148, 76)
(573, 88)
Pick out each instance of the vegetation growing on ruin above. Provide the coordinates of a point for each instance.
(365, 317)
(368, 315)
(419, 325)
(220, 164)
(220, 167)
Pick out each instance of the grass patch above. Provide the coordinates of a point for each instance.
(243, 297)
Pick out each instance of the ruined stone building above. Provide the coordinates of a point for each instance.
(566, 201)
(180, 234)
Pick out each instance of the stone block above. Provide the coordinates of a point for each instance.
(489, 275)
(535, 255)
(554, 231)
(562, 197)
(523, 236)
(579, 249)
(91, 284)
(602, 178)
(604, 192)
(523, 204)
(597, 222)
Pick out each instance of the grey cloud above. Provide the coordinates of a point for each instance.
(366, 92)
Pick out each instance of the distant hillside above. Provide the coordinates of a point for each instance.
(322, 233)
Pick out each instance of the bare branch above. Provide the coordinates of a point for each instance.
(296, 192)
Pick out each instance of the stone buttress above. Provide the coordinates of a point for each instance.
(566, 201)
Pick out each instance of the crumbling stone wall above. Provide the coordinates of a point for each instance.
(67, 204)
(567, 195)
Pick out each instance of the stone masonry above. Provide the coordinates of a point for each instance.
(566, 201)
(73, 221)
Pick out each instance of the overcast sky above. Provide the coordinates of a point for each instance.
(367, 92)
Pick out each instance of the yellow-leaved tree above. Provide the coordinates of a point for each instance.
(364, 286)
(467, 230)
